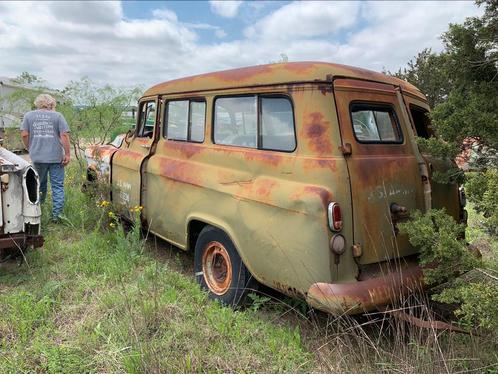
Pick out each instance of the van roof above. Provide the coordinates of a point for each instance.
(272, 74)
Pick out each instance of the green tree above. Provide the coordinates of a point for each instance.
(95, 112)
(28, 78)
(427, 71)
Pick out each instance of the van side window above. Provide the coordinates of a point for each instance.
(277, 124)
(374, 123)
(185, 120)
(236, 122)
(147, 119)
(421, 121)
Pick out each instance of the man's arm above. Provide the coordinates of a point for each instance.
(67, 151)
(25, 138)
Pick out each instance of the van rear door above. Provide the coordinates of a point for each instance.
(383, 169)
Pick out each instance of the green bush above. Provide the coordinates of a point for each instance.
(442, 254)
(482, 190)
(445, 256)
(478, 303)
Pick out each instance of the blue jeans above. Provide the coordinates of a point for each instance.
(56, 171)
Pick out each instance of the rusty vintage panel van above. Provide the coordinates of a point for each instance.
(293, 175)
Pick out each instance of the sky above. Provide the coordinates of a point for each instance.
(142, 43)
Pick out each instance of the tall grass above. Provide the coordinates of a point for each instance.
(98, 298)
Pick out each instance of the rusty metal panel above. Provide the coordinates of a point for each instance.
(98, 159)
(369, 293)
(19, 202)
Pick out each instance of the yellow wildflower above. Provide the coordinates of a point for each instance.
(104, 203)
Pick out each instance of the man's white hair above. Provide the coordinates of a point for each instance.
(45, 101)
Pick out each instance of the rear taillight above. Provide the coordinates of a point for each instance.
(335, 217)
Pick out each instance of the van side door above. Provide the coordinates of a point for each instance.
(126, 176)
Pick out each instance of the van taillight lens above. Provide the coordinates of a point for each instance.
(335, 217)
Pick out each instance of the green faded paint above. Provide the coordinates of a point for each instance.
(273, 205)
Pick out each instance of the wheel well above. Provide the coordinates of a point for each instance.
(194, 229)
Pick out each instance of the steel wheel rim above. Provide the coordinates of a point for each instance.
(217, 268)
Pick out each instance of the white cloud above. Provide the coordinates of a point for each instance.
(218, 31)
(165, 14)
(306, 19)
(61, 45)
(225, 8)
(91, 12)
(394, 33)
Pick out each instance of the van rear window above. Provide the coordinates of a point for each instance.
(264, 122)
(373, 123)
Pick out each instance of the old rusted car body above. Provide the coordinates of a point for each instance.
(20, 206)
(313, 209)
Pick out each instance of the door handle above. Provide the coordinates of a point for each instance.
(346, 149)
(146, 146)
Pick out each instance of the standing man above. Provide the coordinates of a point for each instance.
(45, 134)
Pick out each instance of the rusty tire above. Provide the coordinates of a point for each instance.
(219, 270)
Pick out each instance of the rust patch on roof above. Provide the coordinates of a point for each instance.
(241, 74)
(300, 67)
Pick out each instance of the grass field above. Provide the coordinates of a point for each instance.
(95, 299)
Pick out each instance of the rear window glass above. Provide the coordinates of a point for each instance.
(237, 123)
(375, 124)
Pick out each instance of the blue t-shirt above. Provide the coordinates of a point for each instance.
(45, 128)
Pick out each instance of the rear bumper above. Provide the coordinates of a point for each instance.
(370, 293)
(20, 240)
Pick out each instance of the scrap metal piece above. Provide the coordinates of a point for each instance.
(20, 212)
